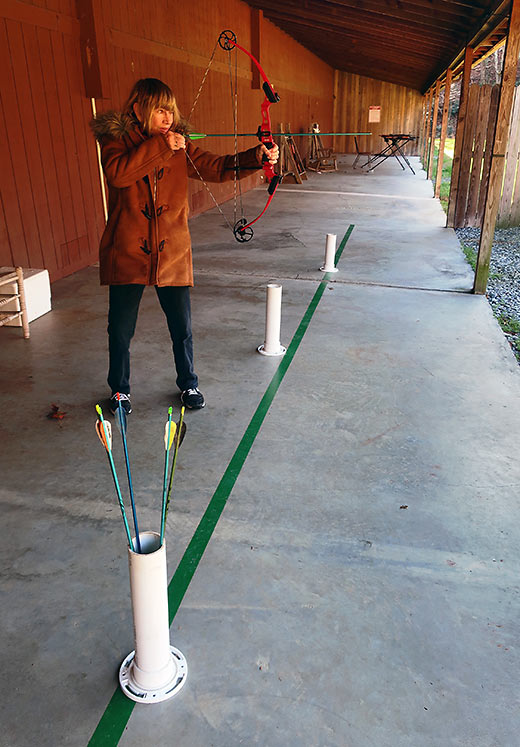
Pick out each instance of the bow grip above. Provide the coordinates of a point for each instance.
(275, 181)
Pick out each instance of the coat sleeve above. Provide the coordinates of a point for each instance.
(123, 166)
(215, 168)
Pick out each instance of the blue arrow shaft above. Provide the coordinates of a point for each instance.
(122, 425)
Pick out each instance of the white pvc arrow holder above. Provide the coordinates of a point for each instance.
(155, 670)
(273, 320)
(330, 254)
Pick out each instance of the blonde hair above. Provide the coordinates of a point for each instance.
(151, 94)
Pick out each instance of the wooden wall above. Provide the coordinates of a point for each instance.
(509, 208)
(401, 111)
(50, 214)
(475, 159)
(57, 55)
(469, 192)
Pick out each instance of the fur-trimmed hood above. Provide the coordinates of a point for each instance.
(118, 124)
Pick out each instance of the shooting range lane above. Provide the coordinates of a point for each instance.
(361, 586)
(118, 711)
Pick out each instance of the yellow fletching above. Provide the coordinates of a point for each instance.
(173, 430)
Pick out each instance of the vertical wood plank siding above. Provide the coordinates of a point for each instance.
(475, 160)
(401, 111)
(50, 203)
(509, 208)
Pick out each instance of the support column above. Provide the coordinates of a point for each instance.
(335, 120)
(422, 132)
(444, 130)
(93, 49)
(459, 136)
(425, 150)
(434, 128)
(500, 140)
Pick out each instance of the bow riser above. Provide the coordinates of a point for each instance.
(266, 137)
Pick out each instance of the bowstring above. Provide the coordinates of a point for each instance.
(203, 81)
(236, 169)
(234, 98)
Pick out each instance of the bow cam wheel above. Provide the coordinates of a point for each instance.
(242, 231)
(227, 40)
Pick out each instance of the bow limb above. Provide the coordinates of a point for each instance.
(242, 229)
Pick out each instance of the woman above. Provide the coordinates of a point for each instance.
(146, 240)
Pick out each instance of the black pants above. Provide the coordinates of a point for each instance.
(124, 303)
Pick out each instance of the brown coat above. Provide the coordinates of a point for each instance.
(146, 239)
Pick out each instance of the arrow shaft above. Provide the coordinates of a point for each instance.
(116, 482)
(177, 444)
(165, 478)
(120, 499)
(122, 425)
(200, 135)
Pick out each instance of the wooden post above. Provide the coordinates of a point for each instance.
(425, 150)
(500, 139)
(93, 49)
(459, 136)
(444, 130)
(434, 128)
(101, 173)
(335, 122)
(420, 144)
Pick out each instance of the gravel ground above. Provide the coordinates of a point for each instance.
(504, 278)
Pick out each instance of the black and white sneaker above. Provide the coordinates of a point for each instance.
(118, 398)
(193, 399)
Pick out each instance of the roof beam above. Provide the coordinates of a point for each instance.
(359, 24)
(376, 10)
(476, 34)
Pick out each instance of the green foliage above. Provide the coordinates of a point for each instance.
(447, 164)
(510, 325)
(471, 255)
(511, 328)
(471, 258)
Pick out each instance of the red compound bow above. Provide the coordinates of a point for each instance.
(242, 228)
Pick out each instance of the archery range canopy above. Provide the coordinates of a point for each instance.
(406, 42)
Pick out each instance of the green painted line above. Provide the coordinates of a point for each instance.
(113, 721)
(115, 718)
(191, 558)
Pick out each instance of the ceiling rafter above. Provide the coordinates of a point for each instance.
(408, 42)
(496, 25)
(357, 26)
(393, 40)
(414, 11)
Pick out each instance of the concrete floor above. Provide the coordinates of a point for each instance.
(361, 586)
